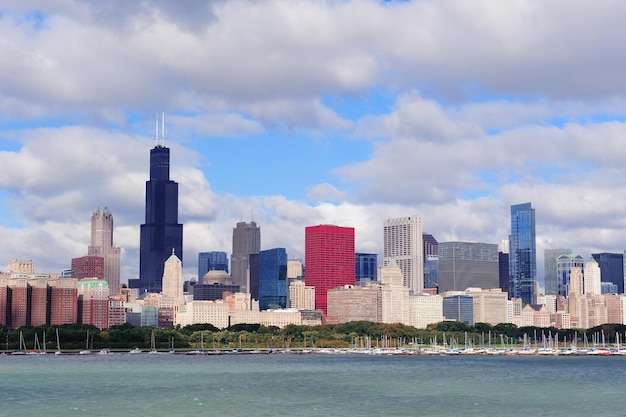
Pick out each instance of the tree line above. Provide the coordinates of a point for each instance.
(255, 336)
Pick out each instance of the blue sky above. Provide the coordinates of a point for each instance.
(307, 112)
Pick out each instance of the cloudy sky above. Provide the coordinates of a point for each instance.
(296, 113)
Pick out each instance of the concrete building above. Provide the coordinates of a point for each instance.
(329, 260)
(295, 269)
(102, 246)
(425, 310)
(394, 294)
(301, 296)
(490, 305)
(403, 243)
(246, 242)
(93, 302)
(592, 284)
(211, 312)
(172, 280)
(88, 267)
(465, 264)
(351, 303)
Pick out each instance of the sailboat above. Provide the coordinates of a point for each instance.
(201, 350)
(58, 351)
(86, 351)
(153, 350)
(22, 348)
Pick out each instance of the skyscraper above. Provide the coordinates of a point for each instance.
(272, 279)
(328, 260)
(564, 266)
(161, 232)
(551, 277)
(102, 245)
(211, 261)
(246, 242)
(403, 243)
(173, 279)
(611, 268)
(366, 265)
(523, 254)
(468, 264)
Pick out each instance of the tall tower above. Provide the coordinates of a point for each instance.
(273, 279)
(161, 233)
(328, 260)
(551, 277)
(173, 279)
(403, 244)
(102, 246)
(246, 242)
(523, 254)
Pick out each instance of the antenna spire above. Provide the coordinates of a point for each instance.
(163, 128)
(156, 130)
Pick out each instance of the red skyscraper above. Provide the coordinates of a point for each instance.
(329, 260)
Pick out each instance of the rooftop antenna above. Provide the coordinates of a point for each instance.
(156, 130)
(163, 128)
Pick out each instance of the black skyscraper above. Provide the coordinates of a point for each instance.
(161, 232)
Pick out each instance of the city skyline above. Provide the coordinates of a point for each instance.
(368, 110)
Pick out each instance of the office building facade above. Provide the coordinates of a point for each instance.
(102, 245)
(161, 233)
(272, 279)
(246, 242)
(611, 268)
(468, 264)
(551, 277)
(522, 254)
(403, 243)
(211, 261)
(329, 260)
(366, 267)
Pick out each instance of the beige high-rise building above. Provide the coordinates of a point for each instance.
(402, 243)
(490, 305)
(294, 269)
(394, 294)
(425, 310)
(592, 285)
(173, 279)
(102, 245)
(350, 303)
(17, 266)
(301, 296)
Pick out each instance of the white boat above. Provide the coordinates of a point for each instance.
(135, 351)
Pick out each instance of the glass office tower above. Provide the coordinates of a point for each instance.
(272, 279)
(522, 254)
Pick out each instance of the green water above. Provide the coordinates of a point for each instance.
(310, 385)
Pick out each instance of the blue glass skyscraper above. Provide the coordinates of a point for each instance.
(211, 261)
(366, 267)
(273, 279)
(522, 254)
(161, 233)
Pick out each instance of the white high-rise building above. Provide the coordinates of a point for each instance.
(394, 294)
(425, 310)
(403, 244)
(592, 279)
(173, 279)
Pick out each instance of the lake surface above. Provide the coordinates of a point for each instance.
(311, 385)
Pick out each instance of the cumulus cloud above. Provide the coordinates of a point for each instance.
(495, 104)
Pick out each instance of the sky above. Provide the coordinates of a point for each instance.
(297, 113)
